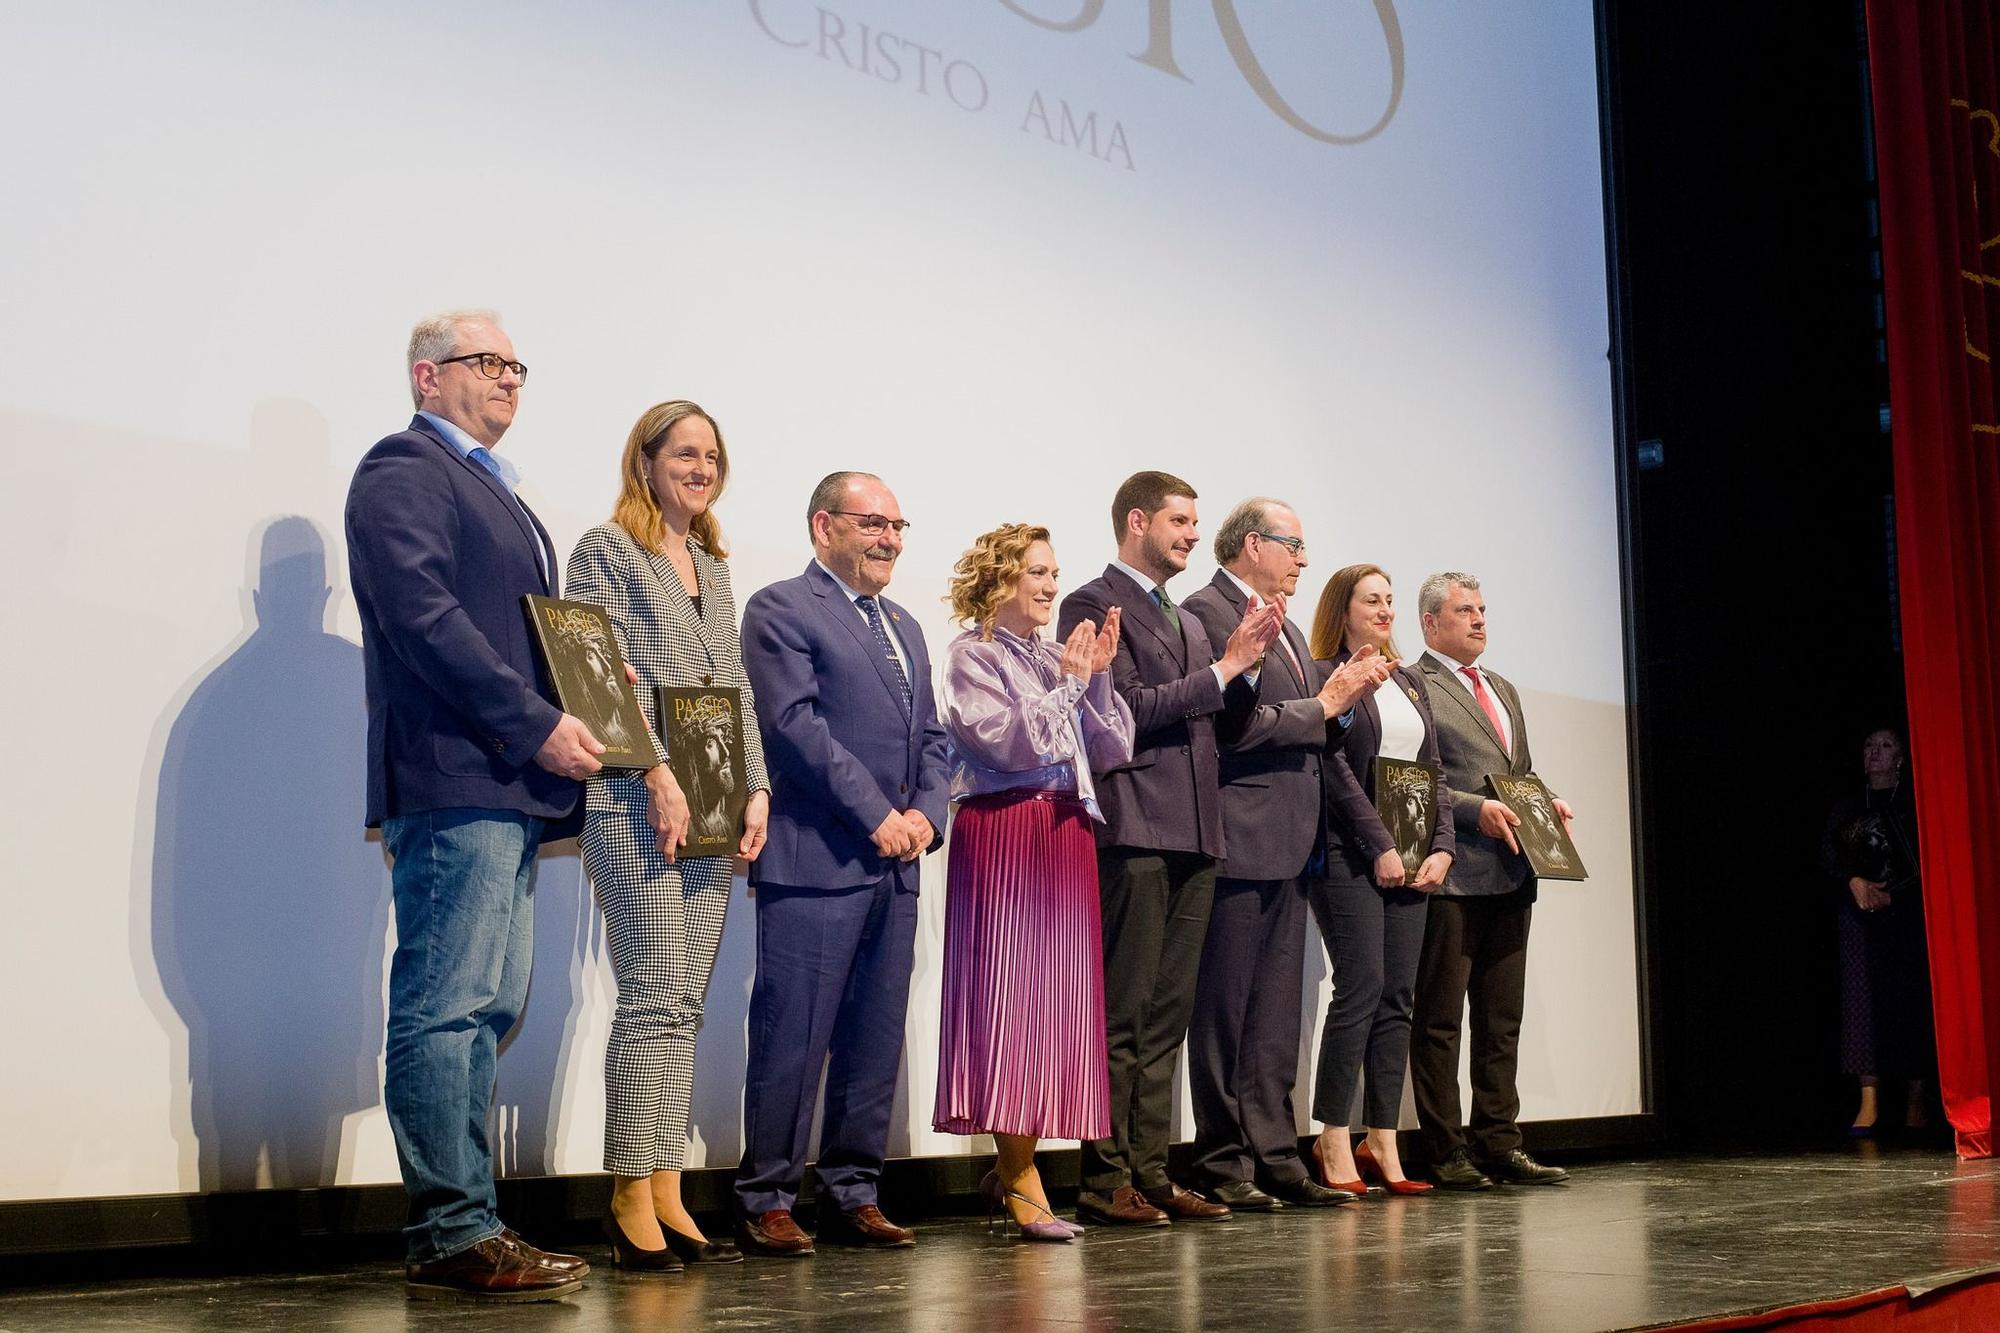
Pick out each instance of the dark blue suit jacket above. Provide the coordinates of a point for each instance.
(840, 752)
(439, 553)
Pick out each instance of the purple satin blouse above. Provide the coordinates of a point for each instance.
(1013, 719)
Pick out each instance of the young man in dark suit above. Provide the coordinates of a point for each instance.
(1159, 843)
(855, 754)
(470, 765)
(1476, 933)
(1243, 1045)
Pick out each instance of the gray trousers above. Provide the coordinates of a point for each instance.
(663, 923)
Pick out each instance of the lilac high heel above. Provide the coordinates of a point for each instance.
(1053, 1231)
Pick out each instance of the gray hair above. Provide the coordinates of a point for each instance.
(1246, 518)
(832, 489)
(1430, 597)
(435, 337)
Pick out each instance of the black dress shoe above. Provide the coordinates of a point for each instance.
(1243, 1196)
(628, 1254)
(1184, 1205)
(1517, 1168)
(692, 1251)
(1457, 1172)
(1308, 1193)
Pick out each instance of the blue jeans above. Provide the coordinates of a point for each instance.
(465, 939)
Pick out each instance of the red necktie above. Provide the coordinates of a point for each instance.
(1291, 656)
(1486, 702)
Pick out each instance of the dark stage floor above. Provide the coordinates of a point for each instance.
(1623, 1244)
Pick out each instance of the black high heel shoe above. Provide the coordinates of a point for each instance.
(625, 1254)
(692, 1251)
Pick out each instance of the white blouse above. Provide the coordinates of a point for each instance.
(1402, 724)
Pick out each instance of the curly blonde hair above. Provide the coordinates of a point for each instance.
(987, 575)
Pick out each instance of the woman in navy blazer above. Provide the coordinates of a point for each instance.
(1369, 909)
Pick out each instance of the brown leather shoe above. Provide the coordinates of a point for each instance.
(864, 1226)
(1123, 1207)
(1185, 1206)
(573, 1263)
(773, 1235)
(495, 1269)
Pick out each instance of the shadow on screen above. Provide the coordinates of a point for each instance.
(535, 1057)
(722, 1053)
(269, 902)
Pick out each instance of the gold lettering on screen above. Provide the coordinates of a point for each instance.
(892, 58)
(1159, 54)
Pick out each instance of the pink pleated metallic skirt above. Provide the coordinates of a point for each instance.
(1021, 1045)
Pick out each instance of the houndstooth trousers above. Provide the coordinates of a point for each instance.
(663, 923)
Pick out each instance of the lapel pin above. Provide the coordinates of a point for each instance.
(1412, 693)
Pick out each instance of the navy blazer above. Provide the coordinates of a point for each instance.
(1354, 829)
(439, 553)
(840, 752)
(1168, 797)
(1272, 736)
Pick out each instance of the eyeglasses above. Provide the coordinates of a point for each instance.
(1296, 545)
(490, 364)
(873, 525)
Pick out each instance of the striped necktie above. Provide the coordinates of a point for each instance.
(874, 614)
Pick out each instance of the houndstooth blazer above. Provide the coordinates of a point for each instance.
(663, 638)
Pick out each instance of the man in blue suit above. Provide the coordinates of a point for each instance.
(470, 765)
(858, 792)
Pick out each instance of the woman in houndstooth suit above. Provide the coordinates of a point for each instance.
(658, 567)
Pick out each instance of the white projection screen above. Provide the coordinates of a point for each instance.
(1002, 252)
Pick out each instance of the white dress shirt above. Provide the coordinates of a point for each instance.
(888, 621)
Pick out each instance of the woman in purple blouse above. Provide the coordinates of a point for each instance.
(1022, 1037)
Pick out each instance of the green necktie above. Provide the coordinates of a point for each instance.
(1167, 608)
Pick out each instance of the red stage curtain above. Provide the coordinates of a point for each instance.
(1937, 128)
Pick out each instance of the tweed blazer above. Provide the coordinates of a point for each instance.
(1469, 749)
(663, 638)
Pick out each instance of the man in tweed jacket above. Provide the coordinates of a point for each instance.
(1476, 932)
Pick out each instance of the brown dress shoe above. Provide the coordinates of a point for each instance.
(1123, 1207)
(774, 1235)
(1185, 1206)
(495, 1269)
(864, 1226)
(573, 1263)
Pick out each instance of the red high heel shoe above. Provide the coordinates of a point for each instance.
(1365, 1163)
(1358, 1188)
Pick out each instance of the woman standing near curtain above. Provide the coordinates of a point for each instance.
(1021, 1041)
(1870, 847)
(659, 568)
(1372, 919)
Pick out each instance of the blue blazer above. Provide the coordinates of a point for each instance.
(439, 553)
(840, 752)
